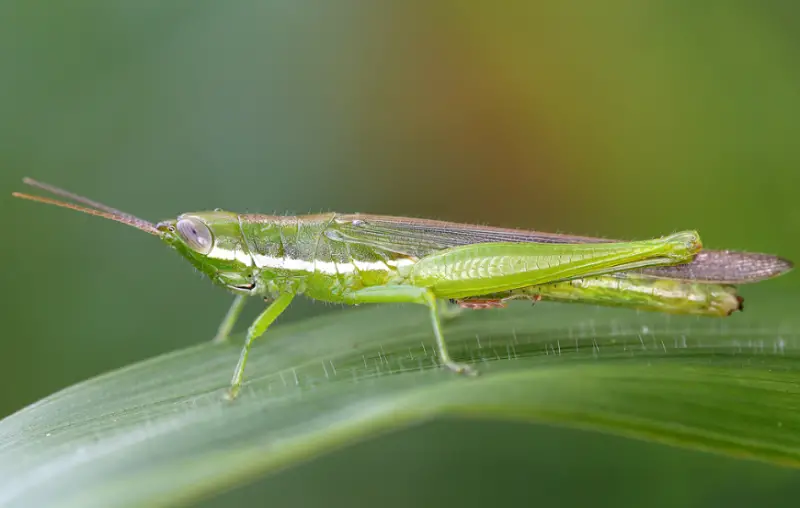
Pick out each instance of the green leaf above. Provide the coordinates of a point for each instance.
(160, 432)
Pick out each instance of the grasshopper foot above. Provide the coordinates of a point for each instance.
(232, 392)
(461, 368)
(220, 339)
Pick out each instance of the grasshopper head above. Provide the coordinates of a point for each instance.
(213, 243)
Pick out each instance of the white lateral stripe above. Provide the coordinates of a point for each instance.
(326, 267)
(231, 255)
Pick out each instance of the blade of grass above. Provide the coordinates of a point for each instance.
(160, 432)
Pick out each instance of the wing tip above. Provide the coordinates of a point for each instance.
(782, 265)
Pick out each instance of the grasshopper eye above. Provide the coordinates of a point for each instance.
(196, 235)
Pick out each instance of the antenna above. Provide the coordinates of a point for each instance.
(92, 208)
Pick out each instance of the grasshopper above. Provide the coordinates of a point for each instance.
(359, 259)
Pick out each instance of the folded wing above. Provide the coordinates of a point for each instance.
(420, 237)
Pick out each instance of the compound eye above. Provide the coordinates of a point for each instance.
(196, 235)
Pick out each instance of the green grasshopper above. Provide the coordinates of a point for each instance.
(356, 259)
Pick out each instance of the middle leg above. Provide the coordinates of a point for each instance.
(413, 294)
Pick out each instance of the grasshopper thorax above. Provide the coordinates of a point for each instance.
(214, 244)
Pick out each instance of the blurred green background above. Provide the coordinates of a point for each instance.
(619, 119)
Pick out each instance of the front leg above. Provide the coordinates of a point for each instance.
(255, 331)
(226, 326)
(412, 294)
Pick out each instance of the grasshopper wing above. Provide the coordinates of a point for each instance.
(421, 237)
